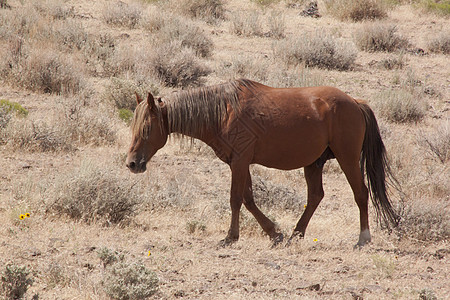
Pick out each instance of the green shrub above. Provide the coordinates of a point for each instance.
(317, 50)
(379, 37)
(265, 2)
(15, 282)
(15, 107)
(357, 10)
(129, 281)
(125, 115)
(441, 7)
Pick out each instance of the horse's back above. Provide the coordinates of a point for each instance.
(298, 124)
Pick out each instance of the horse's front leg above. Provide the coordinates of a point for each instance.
(238, 183)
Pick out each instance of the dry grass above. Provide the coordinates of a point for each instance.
(318, 49)
(401, 106)
(379, 37)
(357, 10)
(182, 201)
(247, 24)
(189, 35)
(440, 43)
(177, 66)
(211, 11)
(122, 14)
(93, 195)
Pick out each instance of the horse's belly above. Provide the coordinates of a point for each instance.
(288, 152)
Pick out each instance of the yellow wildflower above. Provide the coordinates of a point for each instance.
(27, 215)
(149, 253)
(315, 240)
(22, 217)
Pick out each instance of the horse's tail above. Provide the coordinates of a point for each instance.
(374, 161)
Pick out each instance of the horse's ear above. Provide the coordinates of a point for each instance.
(138, 98)
(151, 101)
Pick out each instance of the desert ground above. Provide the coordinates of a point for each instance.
(75, 223)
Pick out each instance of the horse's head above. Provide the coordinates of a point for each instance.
(148, 133)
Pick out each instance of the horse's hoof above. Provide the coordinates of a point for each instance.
(277, 239)
(295, 236)
(227, 242)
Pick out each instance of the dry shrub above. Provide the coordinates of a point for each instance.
(86, 124)
(121, 92)
(129, 281)
(357, 10)
(276, 196)
(177, 66)
(426, 220)
(318, 49)
(440, 43)
(188, 34)
(436, 6)
(119, 13)
(247, 24)
(55, 10)
(379, 37)
(31, 135)
(437, 142)
(210, 11)
(393, 62)
(401, 106)
(255, 68)
(277, 25)
(94, 193)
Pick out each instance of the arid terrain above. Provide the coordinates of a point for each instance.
(75, 223)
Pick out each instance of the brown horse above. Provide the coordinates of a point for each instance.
(246, 122)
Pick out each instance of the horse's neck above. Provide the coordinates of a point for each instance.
(203, 132)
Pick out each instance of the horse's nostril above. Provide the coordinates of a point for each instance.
(131, 165)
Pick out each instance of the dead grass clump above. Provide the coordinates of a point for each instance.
(393, 62)
(426, 221)
(401, 106)
(277, 25)
(55, 10)
(177, 66)
(269, 195)
(94, 193)
(441, 43)
(85, 125)
(437, 142)
(119, 13)
(247, 24)
(31, 135)
(210, 11)
(317, 50)
(373, 37)
(189, 35)
(121, 92)
(357, 10)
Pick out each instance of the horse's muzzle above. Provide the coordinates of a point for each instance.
(137, 167)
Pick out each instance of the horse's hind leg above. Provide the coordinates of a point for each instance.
(267, 225)
(313, 176)
(355, 178)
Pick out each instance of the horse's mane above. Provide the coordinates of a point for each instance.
(191, 111)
